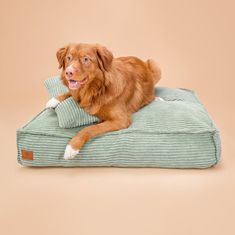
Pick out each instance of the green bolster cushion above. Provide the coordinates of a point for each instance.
(173, 132)
(69, 113)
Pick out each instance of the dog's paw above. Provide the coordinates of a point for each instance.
(70, 153)
(52, 103)
(158, 98)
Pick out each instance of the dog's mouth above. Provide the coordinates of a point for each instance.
(75, 84)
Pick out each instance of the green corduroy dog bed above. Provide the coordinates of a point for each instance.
(173, 132)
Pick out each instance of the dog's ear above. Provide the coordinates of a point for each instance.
(104, 57)
(60, 54)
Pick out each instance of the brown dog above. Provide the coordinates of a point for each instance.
(109, 88)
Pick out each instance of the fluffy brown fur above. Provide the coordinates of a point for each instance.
(115, 88)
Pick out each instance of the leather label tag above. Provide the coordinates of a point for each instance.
(26, 154)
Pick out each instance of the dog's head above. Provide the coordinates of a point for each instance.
(82, 63)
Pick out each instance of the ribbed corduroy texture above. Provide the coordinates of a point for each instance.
(174, 133)
(69, 113)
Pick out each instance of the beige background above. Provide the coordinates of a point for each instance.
(193, 41)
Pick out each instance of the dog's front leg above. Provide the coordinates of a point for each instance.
(53, 102)
(90, 132)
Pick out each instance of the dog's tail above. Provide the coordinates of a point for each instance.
(154, 69)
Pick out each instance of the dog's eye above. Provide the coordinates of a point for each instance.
(85, 60)
(69, 57)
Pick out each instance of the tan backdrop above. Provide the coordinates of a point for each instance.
(193, 41)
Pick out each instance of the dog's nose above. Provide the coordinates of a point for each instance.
(69, 71)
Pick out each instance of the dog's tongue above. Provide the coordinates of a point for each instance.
(74, 84)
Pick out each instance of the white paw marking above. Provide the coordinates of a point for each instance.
(158, 98)
(70, 153)
(52, 103)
